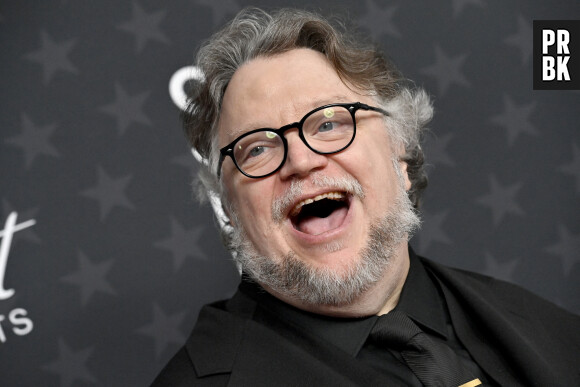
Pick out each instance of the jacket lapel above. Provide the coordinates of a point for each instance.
(214, 342)
(501, 326)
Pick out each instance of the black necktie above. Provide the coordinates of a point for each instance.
(433, 362)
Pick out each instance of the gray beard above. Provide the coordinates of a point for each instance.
(295, 279)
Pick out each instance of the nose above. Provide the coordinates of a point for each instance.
(300, 160)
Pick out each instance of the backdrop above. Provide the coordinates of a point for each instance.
(106, 258)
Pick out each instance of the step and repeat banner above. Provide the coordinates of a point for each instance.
(106, 257)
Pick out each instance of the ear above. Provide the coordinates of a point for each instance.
(407, 181)
(404, 166)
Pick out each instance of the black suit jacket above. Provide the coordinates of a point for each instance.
(518, 338)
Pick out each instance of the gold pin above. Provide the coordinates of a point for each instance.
(473, 383)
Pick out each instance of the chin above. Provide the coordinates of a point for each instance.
(332, 256)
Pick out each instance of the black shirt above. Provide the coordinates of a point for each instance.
(421, 299)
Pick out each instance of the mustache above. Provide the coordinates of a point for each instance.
(282, 204)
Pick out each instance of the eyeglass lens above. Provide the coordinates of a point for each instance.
(326, 130)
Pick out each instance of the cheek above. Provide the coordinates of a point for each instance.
(374, 147)
(253, 208)
(370, 164)
(238, 199)
(375, 171)
(251, 211)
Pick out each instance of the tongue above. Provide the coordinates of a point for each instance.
(314, 225)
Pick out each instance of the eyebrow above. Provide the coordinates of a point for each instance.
(307, 108)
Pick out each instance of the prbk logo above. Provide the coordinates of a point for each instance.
(16, 320)
(557, 54)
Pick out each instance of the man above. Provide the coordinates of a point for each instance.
(312, 143)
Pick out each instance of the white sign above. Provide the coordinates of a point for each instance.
(21, 325)
(178, 81)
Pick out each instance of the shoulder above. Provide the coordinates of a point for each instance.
(488, 296)
(508, 327)
(502, 292)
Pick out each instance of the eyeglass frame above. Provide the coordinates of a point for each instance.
(352, 107)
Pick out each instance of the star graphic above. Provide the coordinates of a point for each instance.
(500, 270)
(164, 329)
(127, 109)
(437, 151)
(109, 192)
(432, 230)
(53, 56)
(90, 278)
(34, 141)
(379, 21)
(515, 119)
(568, 248)
(182, 243)
(522, 39)
(501, 200)
(145, 26)
(459, 5)
(70, 365)
(573, 168)
(220, 9)
(446, 70)
(28, 234)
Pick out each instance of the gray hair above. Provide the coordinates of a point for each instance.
(254, 33)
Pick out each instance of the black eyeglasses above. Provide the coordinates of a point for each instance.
(325, 130)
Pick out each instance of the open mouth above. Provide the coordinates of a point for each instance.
(320, 214)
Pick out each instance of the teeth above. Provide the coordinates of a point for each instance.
(329, 195)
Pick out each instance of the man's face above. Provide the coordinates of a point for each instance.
(272, 92)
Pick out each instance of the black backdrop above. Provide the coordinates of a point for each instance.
(113, 257)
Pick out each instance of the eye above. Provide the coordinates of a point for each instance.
(257, 147)
(327, 126)
(256, 151)
(252, 151)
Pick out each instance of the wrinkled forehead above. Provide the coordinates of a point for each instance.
(274, 91)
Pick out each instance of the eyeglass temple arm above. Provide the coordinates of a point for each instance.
(364, 106)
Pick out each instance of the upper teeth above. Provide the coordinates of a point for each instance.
(329, 195)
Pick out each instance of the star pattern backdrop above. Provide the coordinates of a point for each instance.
(108, 281)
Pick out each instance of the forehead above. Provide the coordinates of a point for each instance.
(274, 91)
